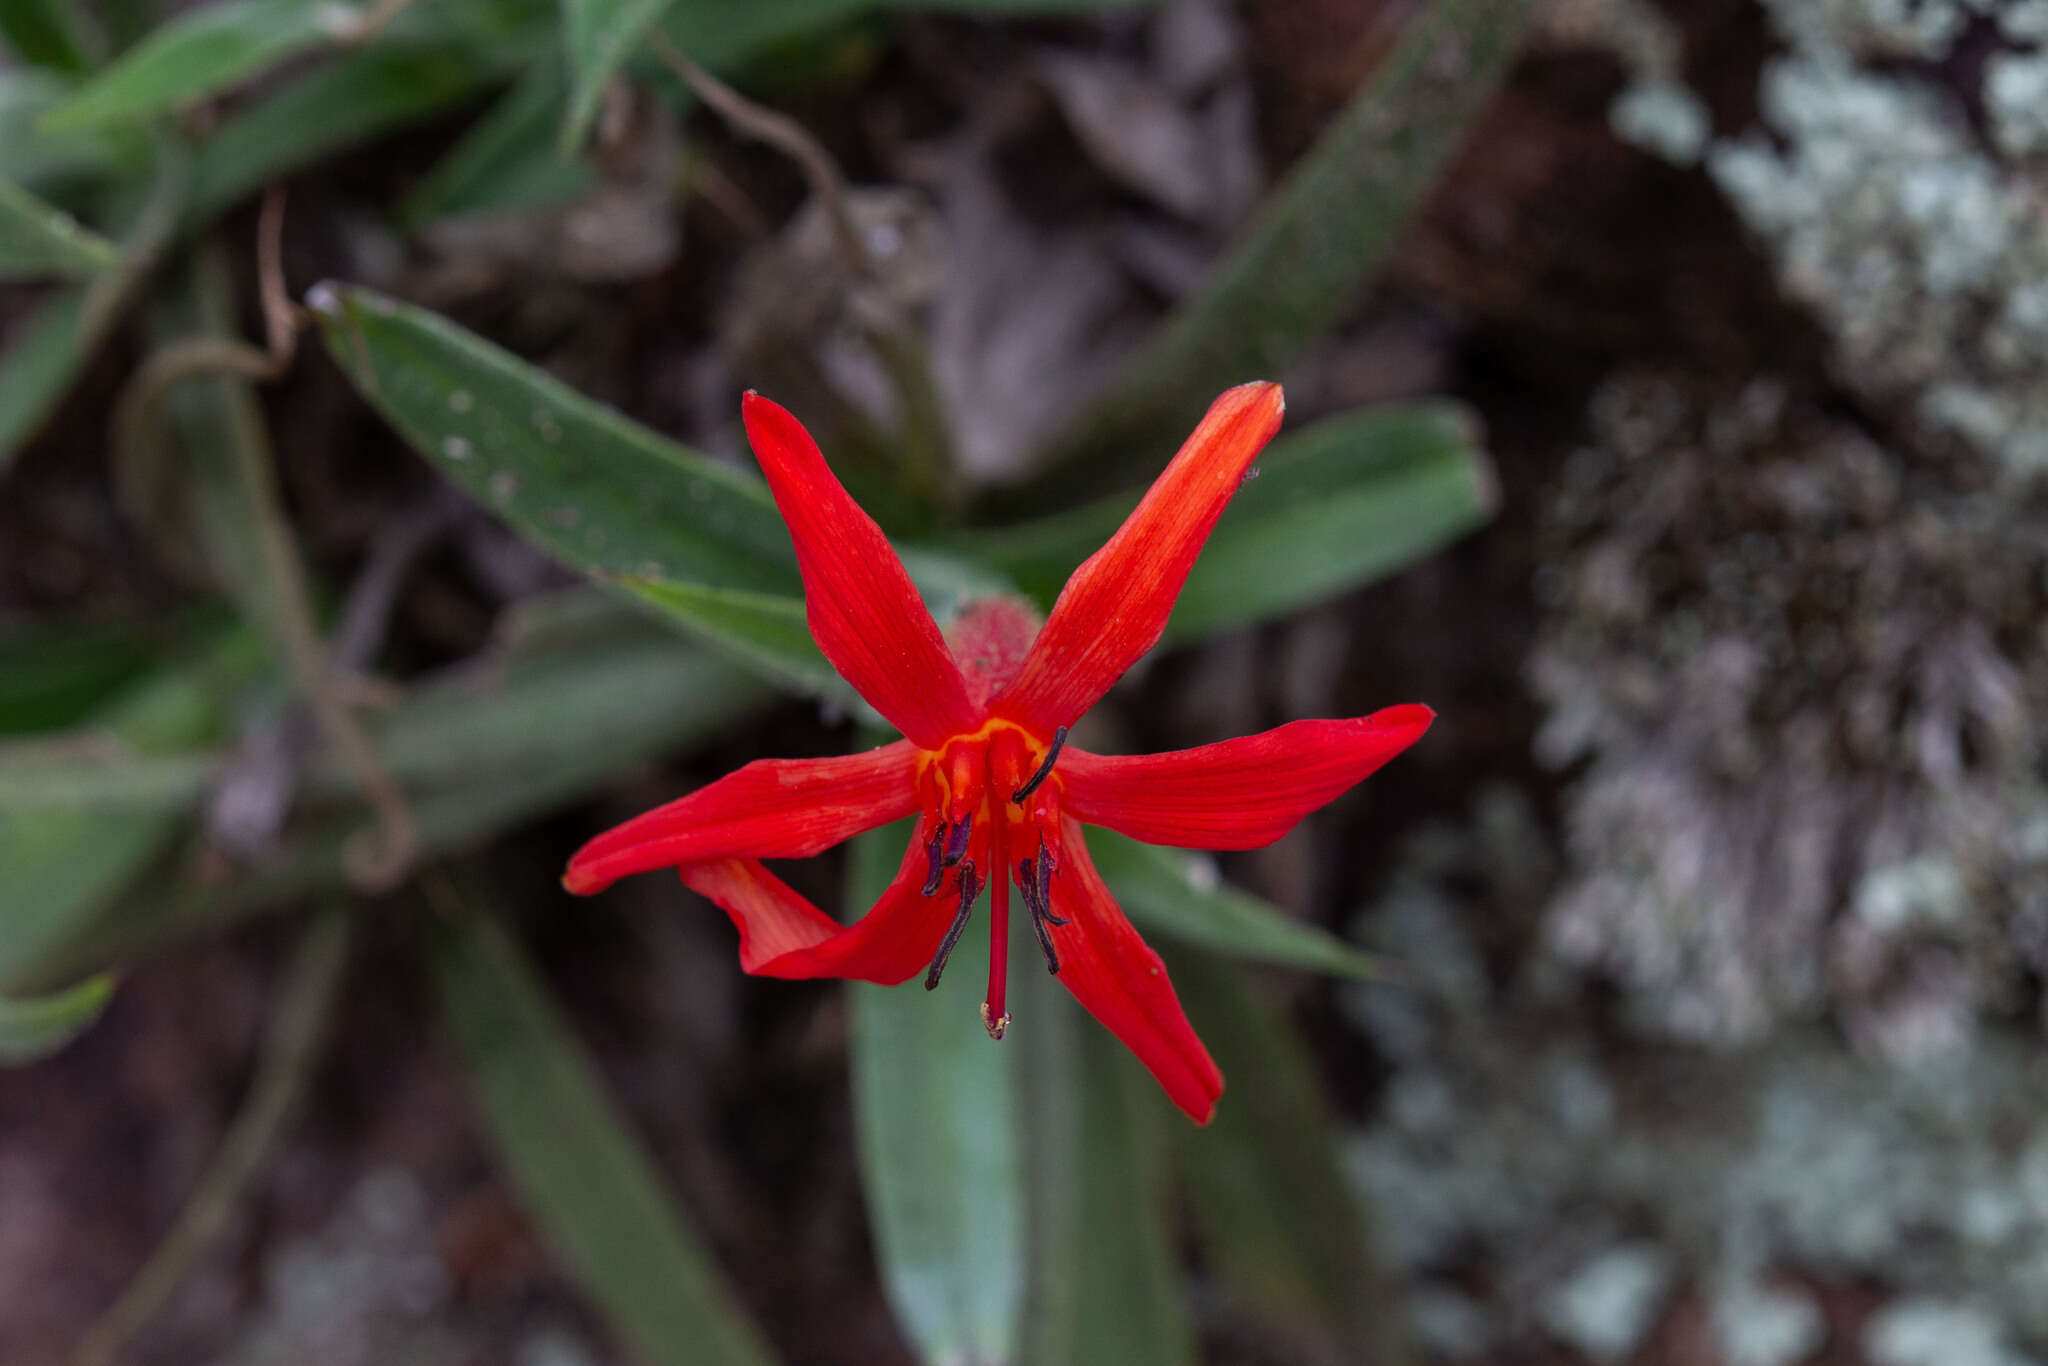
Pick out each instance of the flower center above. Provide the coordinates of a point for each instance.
(988, 798)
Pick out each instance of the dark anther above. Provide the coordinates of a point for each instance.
(932, 849)
(1032, 881)
(1045, 872)
(970, 887)
(956, 842)
(1059, 738)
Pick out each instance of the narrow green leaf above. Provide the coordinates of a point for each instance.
(342, 103)
(478, 753)
(44, 33)
(1178, 894)
(43, 356)
(1337, 505)
(596, 36)
(506, 161)
(939, 1159)
(39, 239)
(37, 1027)
(1105, 1287)
(199, 53)
(1316, 240)
(697, 539)
(39, 160)
(584, 1178)
(65, 865)
(1277, 1216)
(52, 675)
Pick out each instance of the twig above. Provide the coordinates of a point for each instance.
(291, 1043)
(782, 132)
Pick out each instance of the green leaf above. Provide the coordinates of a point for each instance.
(583, 1177)
(697, 539)
(33, 158)
(343, 103)
(1336, 505)
(52, 675)
(596, 36)
(1105, 1287)
(506, 161)
(65, 865)
(43, 356)
(1276, 1213)
(44, 33)
(38, 239)
(939, 1158)
(1178, 894)
(37, 1027)
(201, 52)
(1314, 242)
(478, 752)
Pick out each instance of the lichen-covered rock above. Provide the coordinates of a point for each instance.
(1800, 685)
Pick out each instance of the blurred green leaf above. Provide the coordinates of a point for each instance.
(1177, 893)
(65, 865)
(506, 161)
(584, 1179)
(1337, 505)
(362, 94)
(43, 356)
(36, 159)
(1105, 1286)
(200, 52)
(1314, 242)
(39, 1026)
(1276, 1213)
(52, 675)
(596, 36)
(38, 239)
(939, 1159)
(478, 752)
(44, 33)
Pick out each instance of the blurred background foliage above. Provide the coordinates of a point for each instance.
(1677, 1001)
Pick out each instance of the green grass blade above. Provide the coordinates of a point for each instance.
(201, 52)
(1105, 1286)
(506, 161)
(37, 1027)
(1316, 240)
(939, 1156)
(584, 1179)
(597, 35)
(44, 33)
(43, 356)
(1277, 1217)
(1337, 505)
(1174, 893)
(39, 240)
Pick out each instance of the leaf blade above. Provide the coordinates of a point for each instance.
(583, 1177)
(33, 1029)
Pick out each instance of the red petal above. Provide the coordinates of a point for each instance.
(772, 808)
(863, 610)
(783, 935)
(1116, 604)
(1241, 793)
(1119, 980)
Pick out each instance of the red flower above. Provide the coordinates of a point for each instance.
(984, 764)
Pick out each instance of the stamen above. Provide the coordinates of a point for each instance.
(956, 842)
(1052, 955)
(932, 849)
(1045, 872)
(970, 887)
(1031, 880)
(1059, 738)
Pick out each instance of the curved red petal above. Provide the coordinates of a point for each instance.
(1238, 794)
(1116, 604)
(863, 610)
(772, 808)
(1119, 980)
(783, 935)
